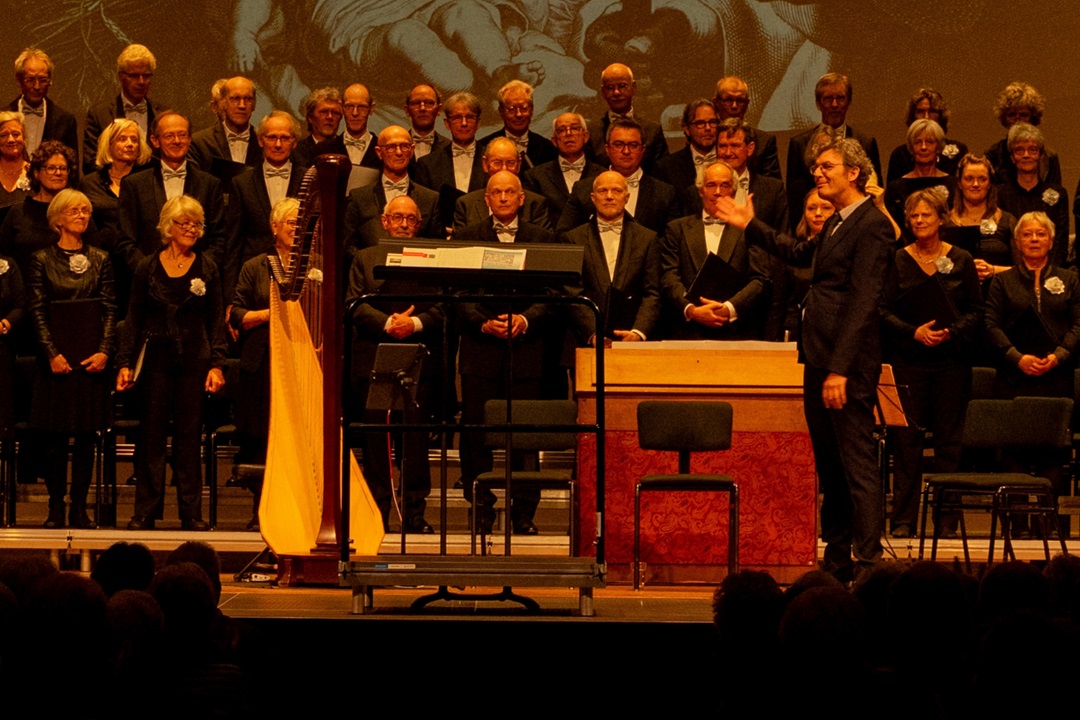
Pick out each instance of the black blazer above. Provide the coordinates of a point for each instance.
(799, 179)
(100, 117)
(655, 143)
(336, 146)
(142, 195)
(540, 150)
(547, 180)
(252, 293)
(683, 252)
(841, 330)
(363, 226)
(59, 125)
(770, 201)
(471, 209)
(210, 143)
(248, 225)
(438, 144)
(678, 169)
(657, 205)
(437, 169)
(765, 160)
(637, 273)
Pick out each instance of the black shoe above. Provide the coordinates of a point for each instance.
(56, 517)
(79, 519)
(194, 525)
(525, 527)
(140, 522)
(253, 523)
(485, 523)
(419, 525)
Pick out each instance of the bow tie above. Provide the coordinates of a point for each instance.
(609, 227)
(27, 110)
(633, 182)
(401, 186)
(744, 182)
(277, 173)
(168, 174)
(358, 143)
(576, 166)
(423, 139)
(503, 229)
(139, 108)
(704, 159)
(233, 137)
(710, 220)
(522, 143)
(458, 151)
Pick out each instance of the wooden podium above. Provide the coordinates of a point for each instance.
(684, 535)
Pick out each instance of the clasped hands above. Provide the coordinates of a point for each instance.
(930, 337)
(401, 324)
(1031, 365)
(500, 327)
(95, 364)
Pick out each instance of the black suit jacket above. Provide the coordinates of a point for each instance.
(841, 330)
(100, 117)
(678, 170)
(637, 276)
(336, 146)
(142, 195)
(472, 209)
(682, 254)
(248, 224)
(59, 125)
(656, 206)
(437, 169)
(540, 150)
(210, 143)
(655, 142)
(764, 160)
(363, 226)
(438, 144)
(547, 180)
(800, 181)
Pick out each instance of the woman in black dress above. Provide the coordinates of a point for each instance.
(14, 182)
(73, 305)
(121, 150)
(1030, 189)
(975, 207)
(928, 104)
(26, 227)
(173, 347)
(925, 141)
(932, 314)
(250, 316)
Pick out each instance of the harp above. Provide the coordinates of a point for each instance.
(299, 512)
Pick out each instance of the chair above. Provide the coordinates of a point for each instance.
(1025, 423)
(531, 416)
(686, 427)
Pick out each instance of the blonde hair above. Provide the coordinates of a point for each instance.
(66, 198)
(104, 152)
(283, 207)
(173, 210)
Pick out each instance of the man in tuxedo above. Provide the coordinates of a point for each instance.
(42, 118)
(501, 154)
(135, 69)
(732, 100)
(456, 168)
(229, 140)
(322, 110)
(683, 169)
(143, 194)
(735, 146)
(423, 105)
(652, 203)
(485, 330)
(739, 314)
(555, 179)
(833, 97)
(257, 190)
(618, 88)
(516, 110)
(357, 141)
(393, 322)
(840, 348)
(363, 212)
(621, 267)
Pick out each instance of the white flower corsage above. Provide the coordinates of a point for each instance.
(23, 183)
(1050, 196)
(4, 266)
(988, 227)
(944, 265)
(198, 287)
(78, 263)
(1054, 285)
(314, 275)
(950, 151)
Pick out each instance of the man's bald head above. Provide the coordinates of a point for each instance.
(504, 196)
(401, 217)
(501, 154)
(617, 87)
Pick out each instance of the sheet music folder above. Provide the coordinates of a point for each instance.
(546, 264)
(716, 280)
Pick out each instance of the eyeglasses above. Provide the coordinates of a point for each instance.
(422, 104)
(237, 99)
(517, 109)
(702, 124)
(78, 212)
(825, 167)
(734, 100)
(571, 130)
(501, 164)
(399, 218)
(174, 136)
(463, 119)
(623, 146)
(397, 147)
(612, 87)
(189, 225)
(37, 81)
(56, 169)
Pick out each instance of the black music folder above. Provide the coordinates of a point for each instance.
(77, 328)
(620, 311)
(716, 280)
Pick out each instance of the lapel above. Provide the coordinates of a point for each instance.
(222, 143)
(191, 184)
(159, 188)
(728, 240)
(830, 242)
(262, 194)
(597, 262)
(695, 243)
(296, 178)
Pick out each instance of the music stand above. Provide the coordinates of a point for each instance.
(394, 380)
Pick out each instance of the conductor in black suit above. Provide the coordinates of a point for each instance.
(232, 139)
(135, 68)
(652, 203)
(555, 179)
(617, 88)
(484, 354)
(516, 110)
(683, 251)
(833, 97)
(363, 212)
(732, 100)
(143, 194)
(621, 267)
(42, 118)
(841, 350)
